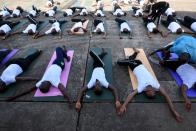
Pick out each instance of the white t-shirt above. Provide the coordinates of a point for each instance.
(100, 26)
(16, 12)
(10, 73)
(50, 13)
(30, 26)
(99, 74)
(188, 74)
(33, 13)
(138, 12)
(193, 26)
(4, 13)
(144, 78)
(69, 12)
(151, 26)
(173, 26)
(169, 11)
(53, 75)
(123, 26)
(118, 11)
(6, 28)
(76, 25)
(83, 11)
(55, 26)
(99, 12)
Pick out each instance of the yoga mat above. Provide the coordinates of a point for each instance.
(142, 56)
(81, 32)
(54, 94)
(104, 25)
(18, 26)
(190, 92)
(10, 55)
(106, 94)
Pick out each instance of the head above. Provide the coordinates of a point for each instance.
(46, 14)
(98, 15)
(76, 29)
(30, 32)
(125, 30)
(99, 31)
(140, 14)
(155, 30)
(179, 31)
(98, 89)
(174, 14)
(184, 57)
(118, 15)
(53, 31)
(15, 16)
(84, 14)
(2, 33)
(45, 86)
(65, 14)
(150, 92)
(2, 86)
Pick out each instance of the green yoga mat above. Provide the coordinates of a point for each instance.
(11, 89)
(107, 94)
(20, 25)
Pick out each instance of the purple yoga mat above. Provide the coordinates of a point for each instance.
(54, 91)
(10, 55)
(190, 92)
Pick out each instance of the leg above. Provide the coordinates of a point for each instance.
(76, 20)
(165, 23)
(29, 59)
(32, 20)
(97, 60)
(188, 21)
(3, 54)
(119, 21)
(12, 24)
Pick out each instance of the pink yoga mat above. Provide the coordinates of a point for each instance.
(54, 91)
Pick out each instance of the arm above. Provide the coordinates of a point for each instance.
(63, 91)
(39, 35)
(114, 91)
(120, 35)
(60, 34)
(104, 35)
(130, 35)
(80, 95)
(128, 99)
(161, 49)
(171, 106)
(26, 79)
(22, 94)
(187, 101)
(17, 32)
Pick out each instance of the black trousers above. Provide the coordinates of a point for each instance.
(5, 8)
(24, 62)
(11, 24)
(120, 21)
(60, 55)
(188, 21)
(78, 20)
(96, 22)
(158, 9)
(131, 62)
(97, 59)
(3, 54)
(170, 19)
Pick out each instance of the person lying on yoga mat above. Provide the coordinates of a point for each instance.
(172, 25)
(184, 46)
(98, 80)
(146, 84)
(189, 22)
(124, 28)
(51, 12)
(83, 12)
(16, 67)
(34, 12)
(70, 11)
(137, 12)
(152, 28)
(3, 54)
(118, 11)
(99, 27)
(6, 27)
(170, 11)
(16, 12)
(31, 28)
(99, 13)
(186, 73)
(5, 12)
(55, 28)
(78, 27)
